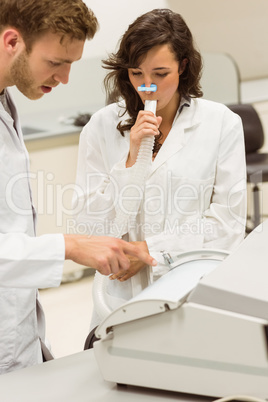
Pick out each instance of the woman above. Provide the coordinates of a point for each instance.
(194, 194)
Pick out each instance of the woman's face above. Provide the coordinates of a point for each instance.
(159, 67)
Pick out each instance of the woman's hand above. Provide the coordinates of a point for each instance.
(135, 264)
(147, 124)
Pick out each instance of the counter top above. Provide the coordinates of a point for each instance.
(51, 123)
(76, 378)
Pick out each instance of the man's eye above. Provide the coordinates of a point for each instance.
(54, 63)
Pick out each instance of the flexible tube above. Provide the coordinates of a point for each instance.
(121, 222)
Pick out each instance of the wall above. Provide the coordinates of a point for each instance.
(237, 27)
(114, 18)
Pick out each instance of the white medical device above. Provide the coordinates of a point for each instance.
(201, 329)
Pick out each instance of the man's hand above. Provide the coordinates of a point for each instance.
(106, 254)
(135, 264)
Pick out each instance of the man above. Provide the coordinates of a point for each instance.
(39, 40)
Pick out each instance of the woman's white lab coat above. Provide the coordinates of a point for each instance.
(195, 192)
(26, 262)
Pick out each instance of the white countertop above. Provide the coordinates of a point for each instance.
(51, 123)
(77, 378)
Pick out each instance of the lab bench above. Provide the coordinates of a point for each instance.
(77, 378)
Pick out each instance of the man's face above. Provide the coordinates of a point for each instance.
(47, 65)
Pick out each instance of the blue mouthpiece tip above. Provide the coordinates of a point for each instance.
(143, 88)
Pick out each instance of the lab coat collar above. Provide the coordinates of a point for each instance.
(17, 132)
(188, 119)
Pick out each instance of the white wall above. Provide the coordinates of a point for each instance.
(238, 27)
(114, 17)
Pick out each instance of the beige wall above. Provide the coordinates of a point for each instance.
(237, 27)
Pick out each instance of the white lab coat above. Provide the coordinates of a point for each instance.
(195, 193)
(26, 262)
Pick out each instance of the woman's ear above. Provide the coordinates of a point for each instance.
(182, 66)
(12, 40)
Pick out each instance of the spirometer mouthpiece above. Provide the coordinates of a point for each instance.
(143, 88)
(150, 105)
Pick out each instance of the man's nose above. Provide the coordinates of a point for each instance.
(62, 75)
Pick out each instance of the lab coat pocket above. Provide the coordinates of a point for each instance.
(8, 327)
(191, 197)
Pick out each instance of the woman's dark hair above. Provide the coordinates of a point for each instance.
(156, 27)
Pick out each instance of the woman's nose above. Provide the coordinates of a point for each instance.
(147, 83)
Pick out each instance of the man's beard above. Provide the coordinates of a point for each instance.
(21, 76)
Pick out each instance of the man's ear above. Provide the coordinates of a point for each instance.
(12, 40)
(182, 66)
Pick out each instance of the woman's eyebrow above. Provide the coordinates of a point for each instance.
(161, 68)
(156, 68)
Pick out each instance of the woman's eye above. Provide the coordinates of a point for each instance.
(136, 73)
(162, 74)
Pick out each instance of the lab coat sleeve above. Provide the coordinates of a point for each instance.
(222, 224)
(31, 262)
